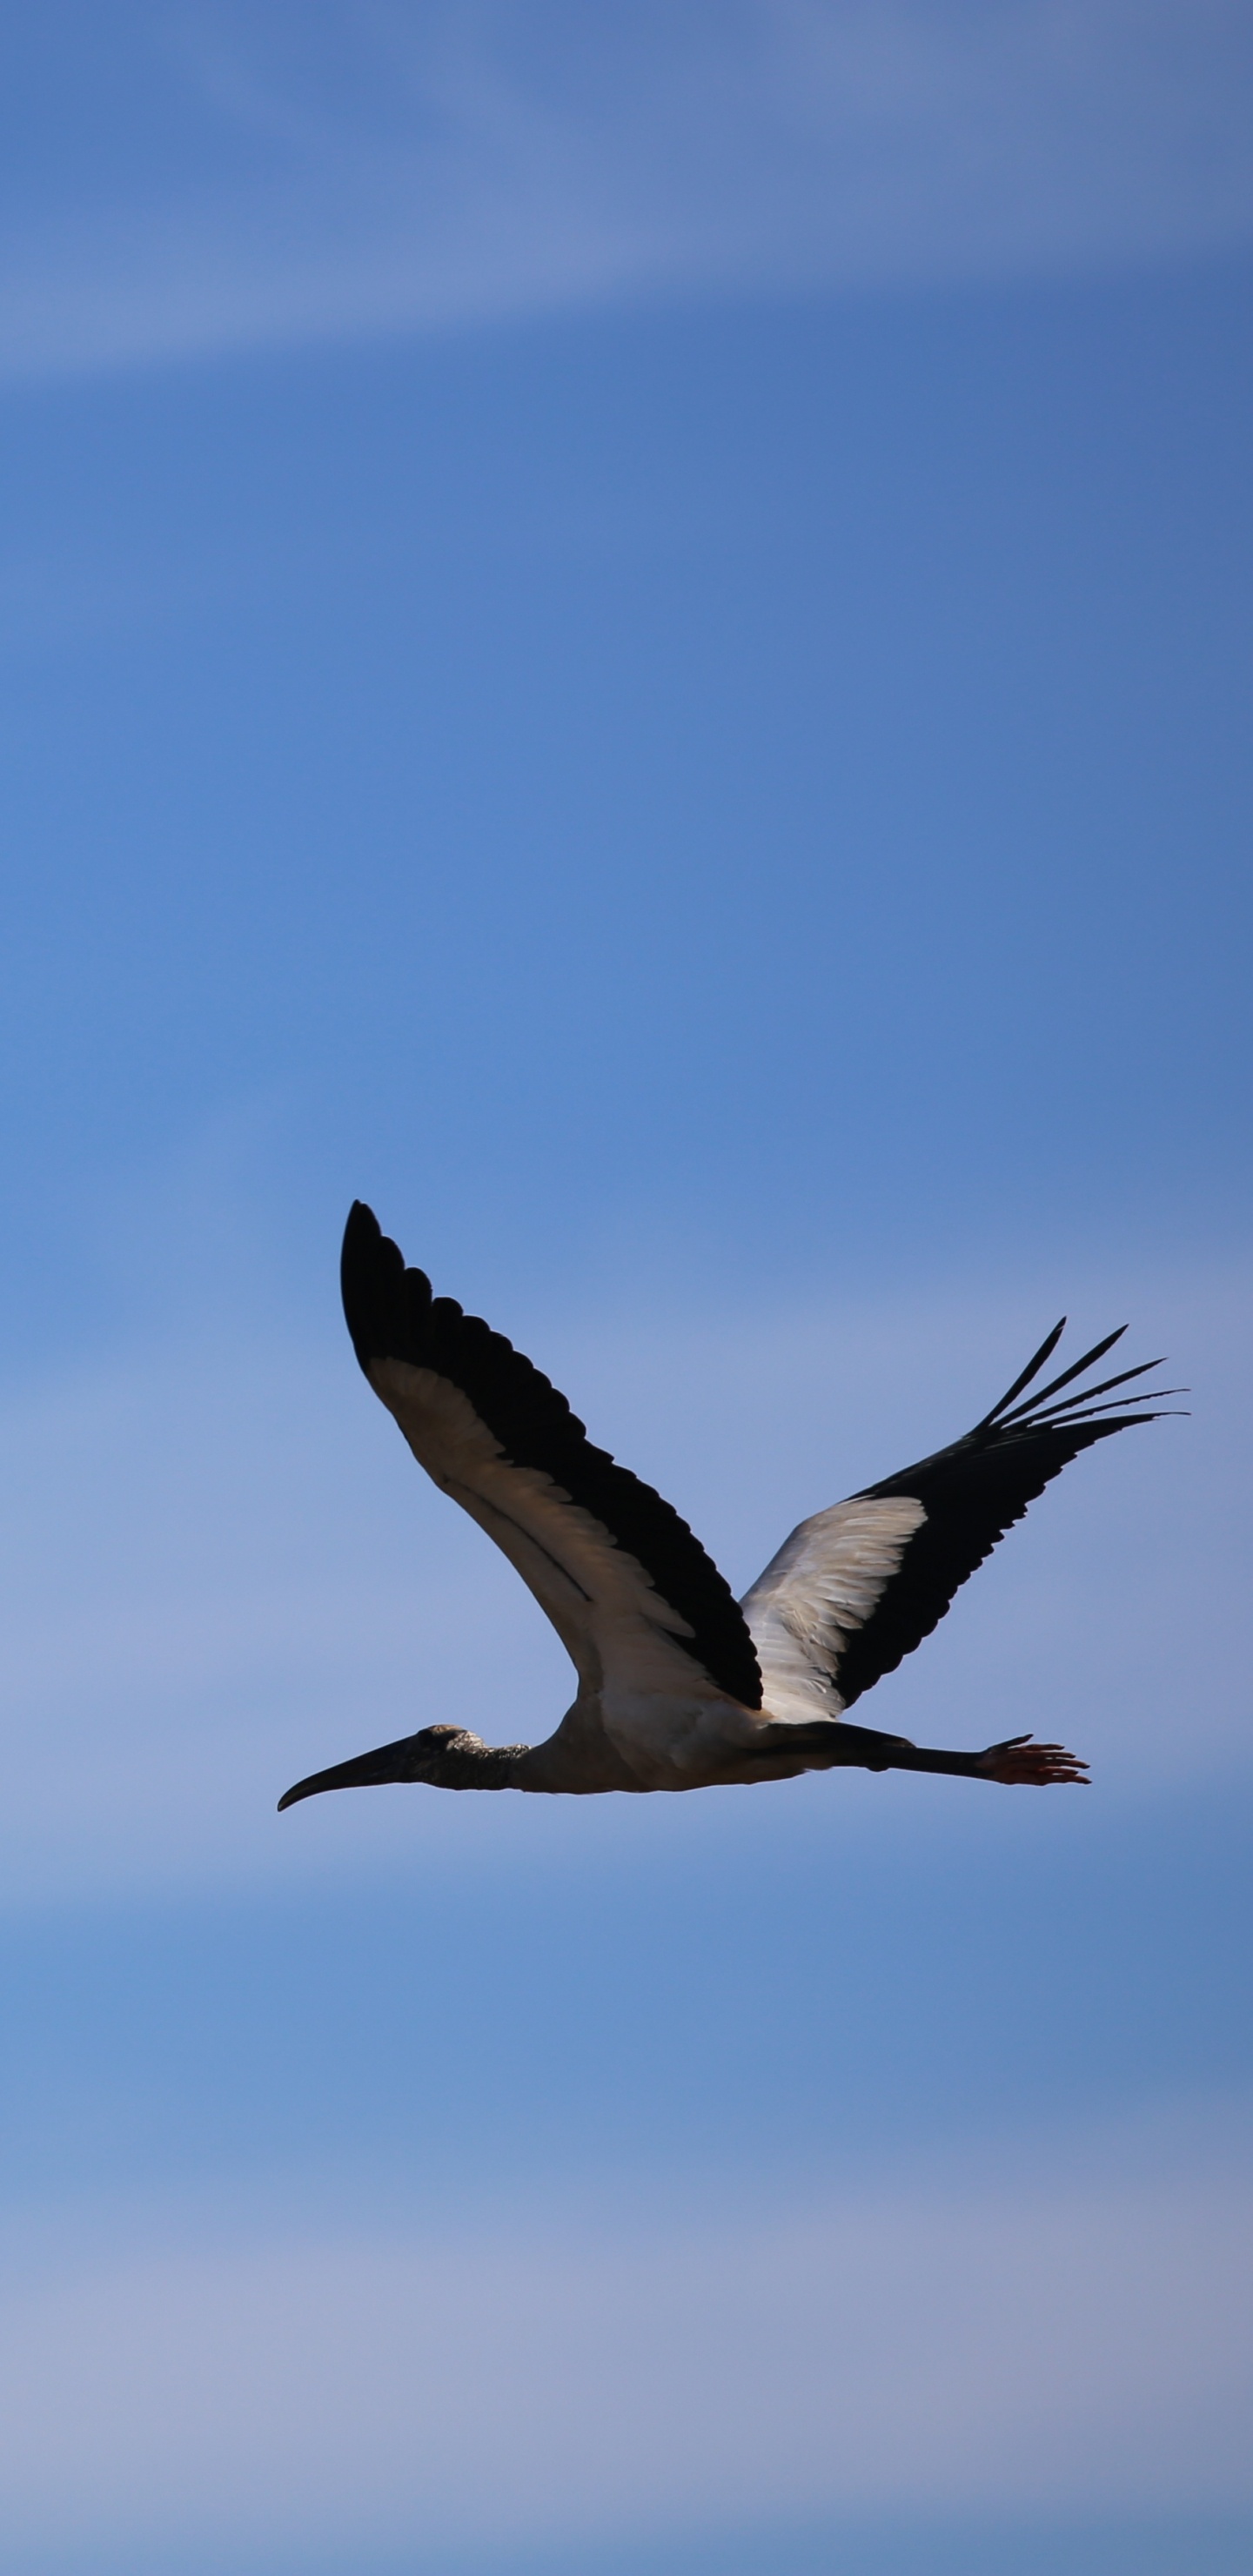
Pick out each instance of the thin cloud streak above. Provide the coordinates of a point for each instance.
(353, 173)
(1072, 2341)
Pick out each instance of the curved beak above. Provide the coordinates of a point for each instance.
(406, 1759)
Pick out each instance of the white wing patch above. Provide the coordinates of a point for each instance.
(823, 1584)
(615, 1625)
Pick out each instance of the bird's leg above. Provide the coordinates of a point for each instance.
(1021, 1763)
(1018, 1763)
(831, 1743)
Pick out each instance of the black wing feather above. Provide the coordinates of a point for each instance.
(1035, 1402)
(1032, 1369)
(391, 1314)
(972, 1493)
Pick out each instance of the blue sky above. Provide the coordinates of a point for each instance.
(627, 633)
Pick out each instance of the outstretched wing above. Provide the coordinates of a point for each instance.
(856, 1588)
(628, 1588)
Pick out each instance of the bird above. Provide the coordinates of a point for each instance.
(679, 1685)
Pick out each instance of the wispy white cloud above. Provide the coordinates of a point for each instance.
(1080, 2339)
(267, 176)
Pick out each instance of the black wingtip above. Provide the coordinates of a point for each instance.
(363, 1236)
(371, 1281)
(1032, 1369)
(1076, 1369)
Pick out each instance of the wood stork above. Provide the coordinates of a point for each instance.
(680, 1687)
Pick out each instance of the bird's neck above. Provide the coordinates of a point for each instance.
(468, 1763)
(575, 1761)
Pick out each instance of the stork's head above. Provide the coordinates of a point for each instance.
(447, 1757)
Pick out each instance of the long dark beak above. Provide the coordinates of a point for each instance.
(406, 1759)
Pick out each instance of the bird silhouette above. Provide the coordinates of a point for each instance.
(680, 1686)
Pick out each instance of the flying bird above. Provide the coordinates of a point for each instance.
(680, 1686)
